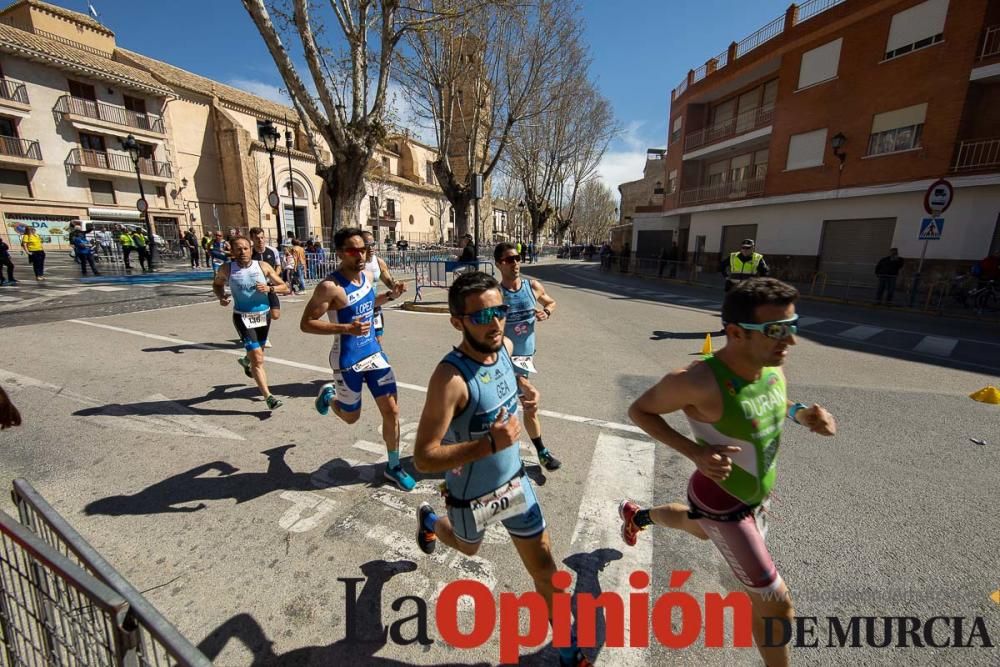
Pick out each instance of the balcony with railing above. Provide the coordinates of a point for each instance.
(104, 163)
(748, 121)
(991, 43)
(977, 155)
(12, 91)
(88, 112)
(795, 15)
(17, 151)
(726, 191)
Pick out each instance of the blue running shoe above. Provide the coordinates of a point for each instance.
(326, 395)
(400, 478)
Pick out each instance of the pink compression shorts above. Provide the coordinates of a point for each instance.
(739, 542)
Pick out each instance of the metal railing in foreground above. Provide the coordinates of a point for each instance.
(52, 612)
(153, 640)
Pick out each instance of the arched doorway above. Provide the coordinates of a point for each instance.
(295, 209)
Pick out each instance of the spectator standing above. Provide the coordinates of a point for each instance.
(190, 241)
(5, 261)
(84, 253)
(887, 269)
(125, 238)
(31, 242)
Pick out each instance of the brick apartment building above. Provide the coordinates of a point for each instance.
(819, 134)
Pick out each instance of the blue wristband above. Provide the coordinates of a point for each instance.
(795, 408)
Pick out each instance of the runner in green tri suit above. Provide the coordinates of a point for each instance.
(736, 404)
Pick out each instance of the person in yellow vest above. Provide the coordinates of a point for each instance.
(125, 238)
(141, 245)
(31, 242)
(744, 264)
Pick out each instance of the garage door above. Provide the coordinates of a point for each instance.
(851, 248)
(733, 235)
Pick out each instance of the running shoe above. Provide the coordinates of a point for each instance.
(245, 363)
(426, 539)
(627, 510)
(267, 343)
(326, 396)
(273, 403)
(550, 462)
(400, 478)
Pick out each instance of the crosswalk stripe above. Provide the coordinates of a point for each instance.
(861, 332)
(613, 475)
(942, 347)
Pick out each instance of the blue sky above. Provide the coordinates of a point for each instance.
(641, 49)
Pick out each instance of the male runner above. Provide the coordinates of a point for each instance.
(528, 303)
(736, 404)
(347, 298)
(250, 283)
(378, 270)
(265, 253)
(469, 430)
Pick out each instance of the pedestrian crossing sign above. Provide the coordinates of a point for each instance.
(931, 228)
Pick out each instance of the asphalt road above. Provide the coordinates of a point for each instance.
(142, 430)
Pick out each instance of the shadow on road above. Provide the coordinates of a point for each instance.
(175, 493)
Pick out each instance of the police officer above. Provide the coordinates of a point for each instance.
(744, 264)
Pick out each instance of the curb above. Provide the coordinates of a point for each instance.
(431, 307)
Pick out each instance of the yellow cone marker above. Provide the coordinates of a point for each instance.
(988, 394)
(995, 596)
(707, 347)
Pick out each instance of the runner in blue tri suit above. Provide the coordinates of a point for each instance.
(469, 430)
(248, 280)
(347, 299)
(528, 303)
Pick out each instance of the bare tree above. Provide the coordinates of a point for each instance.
(479, 74)
(437, 208)
(563, 145)
(345, 105)
(259, 179)
(595, 210)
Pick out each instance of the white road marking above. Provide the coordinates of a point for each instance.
(304, 502)
(8, 298)
(613, 476)
(805, 321)
(600, 423)
(936, 345)
(378, 449)
(107, 288)
(861, 332)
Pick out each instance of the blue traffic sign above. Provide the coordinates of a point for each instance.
(931, 228)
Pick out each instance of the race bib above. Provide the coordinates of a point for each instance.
(373, 363)
(254, 320)
(505, 502)
(377, 321)
(760, 516)
(525, 363)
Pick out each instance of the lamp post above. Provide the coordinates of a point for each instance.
(520, 219)
(291, 188)
(132, 147)
(269, 135)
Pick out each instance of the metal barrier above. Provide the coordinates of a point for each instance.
(442, 272)
(52, 612)
(152, 640)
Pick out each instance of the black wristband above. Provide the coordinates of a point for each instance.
(493, 443)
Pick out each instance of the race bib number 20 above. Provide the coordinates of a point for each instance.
(505, 502)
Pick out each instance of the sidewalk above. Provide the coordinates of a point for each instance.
(862, 293)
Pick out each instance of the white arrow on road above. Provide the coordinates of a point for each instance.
(170, 417)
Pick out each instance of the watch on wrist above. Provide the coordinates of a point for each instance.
(493, 443)
(547, 312)
(793, 409)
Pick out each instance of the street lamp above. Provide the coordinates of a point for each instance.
(269, 135)
(291, 186)
(132, 147)
(836, 143)
(520, 219)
